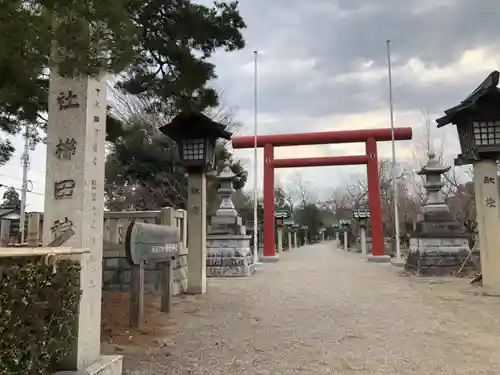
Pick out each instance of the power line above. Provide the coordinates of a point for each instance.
(9, 176)
(20, 189)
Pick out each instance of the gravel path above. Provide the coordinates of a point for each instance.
(323, 311)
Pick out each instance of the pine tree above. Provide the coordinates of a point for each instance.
(158, 48)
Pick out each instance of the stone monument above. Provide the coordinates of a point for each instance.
(228, 245)
(74, 203)
(438, 247)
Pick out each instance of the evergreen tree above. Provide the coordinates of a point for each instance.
(158, 48)
(10, 198)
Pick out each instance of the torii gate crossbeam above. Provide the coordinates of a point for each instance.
(368, 136)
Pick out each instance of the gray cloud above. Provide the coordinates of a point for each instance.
(339, 35)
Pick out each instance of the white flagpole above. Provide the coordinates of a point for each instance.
(255, 179)
(394, 180)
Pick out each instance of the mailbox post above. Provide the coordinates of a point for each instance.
(150, 243)
(362, 215)
(196, 135)
(477, 119)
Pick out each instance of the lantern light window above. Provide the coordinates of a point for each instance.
(486, 132)
(193, 149)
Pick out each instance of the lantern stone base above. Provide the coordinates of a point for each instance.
(229, 255)
(270, 258)
(106, 365)
(439, 257)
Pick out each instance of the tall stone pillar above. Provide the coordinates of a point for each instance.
(346, 244)
(290, 244)
(74, 200)
(296, 244)
(197, 233)
(488, 221)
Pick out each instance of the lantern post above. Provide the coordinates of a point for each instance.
(295, 229)
(477, 119)
(196, 136)
(362, 215)
(336, 229)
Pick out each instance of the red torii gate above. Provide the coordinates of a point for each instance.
(368, 136)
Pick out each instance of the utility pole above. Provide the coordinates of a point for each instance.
(394, 175)
(255, 170)
(25, 162)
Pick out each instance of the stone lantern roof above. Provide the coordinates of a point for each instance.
(227, 174)
(433, 165)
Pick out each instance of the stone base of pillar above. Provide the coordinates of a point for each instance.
(231, 271)
(378, 258)
(270, 259)
(106, 365)
(440, 261)
(491, 290)
(229, 256)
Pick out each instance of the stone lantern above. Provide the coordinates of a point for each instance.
(228, 245)
(433, 172)
(196, 136)
(438, 247)
(362, 215)
(477, 119)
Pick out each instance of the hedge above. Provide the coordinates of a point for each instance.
(38, 314)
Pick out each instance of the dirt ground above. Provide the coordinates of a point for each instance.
(319, 310)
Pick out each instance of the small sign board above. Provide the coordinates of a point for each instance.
(361, 213)
(282, 214)
(151, 243)
(288, 223)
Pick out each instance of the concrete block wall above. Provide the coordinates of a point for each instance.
(116, 270)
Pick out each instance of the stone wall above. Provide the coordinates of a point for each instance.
(116, 274)
(116, 270)
(441, 263)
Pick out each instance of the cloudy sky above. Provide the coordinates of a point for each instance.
(323, 66)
